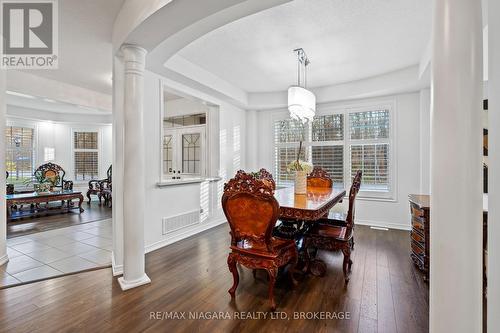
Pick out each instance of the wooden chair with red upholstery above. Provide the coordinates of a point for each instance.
(331, 237)
(340, 218)
(319, 178)
(251, 211)
(266, 177)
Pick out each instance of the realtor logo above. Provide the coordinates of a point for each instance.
(29, 34)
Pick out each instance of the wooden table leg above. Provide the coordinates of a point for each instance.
(80, 198)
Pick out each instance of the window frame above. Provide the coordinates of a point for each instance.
(213, 168)
(391, 193)
(345, 110)
(72, 175)
(34, 127)
(177, 133)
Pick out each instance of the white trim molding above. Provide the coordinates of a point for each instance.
(126, 285)
(371, 223)
(4, 259)
(116, 269)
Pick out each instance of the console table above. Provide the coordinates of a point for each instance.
(420, 231)
(35, 201)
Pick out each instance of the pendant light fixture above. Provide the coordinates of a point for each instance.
(301, 102)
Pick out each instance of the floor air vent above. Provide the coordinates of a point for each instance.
(174, 223)
(379, 228)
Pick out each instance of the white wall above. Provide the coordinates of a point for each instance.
(170, 201)
(392, 214)
(184, 106)
(58, 135)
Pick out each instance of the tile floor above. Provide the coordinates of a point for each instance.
(55, 252)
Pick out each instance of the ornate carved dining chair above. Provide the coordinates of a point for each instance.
(251, 211)
(55, 174)
(340, 218)
(9, 188)
(97, 187)
(319, 178)
(266, 177)
(332, 237)
(107, 192)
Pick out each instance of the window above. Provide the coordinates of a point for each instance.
(369, 138)
(184, 145)
(328, 146)
(19, 154)
(287, 135)
(86, 153)
(322, 142)
(340, 143)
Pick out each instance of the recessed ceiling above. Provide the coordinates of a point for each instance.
(345, 40)
(85, 49)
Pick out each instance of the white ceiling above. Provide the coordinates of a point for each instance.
(85, 50)
(345, 40)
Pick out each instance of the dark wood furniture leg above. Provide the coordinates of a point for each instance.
(80, 198)
(231, 263)
(272, 272)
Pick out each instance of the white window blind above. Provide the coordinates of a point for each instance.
(19, 154)
(86, 154)
(369, 148)
(328, 146)
(340, 143)
(323, 145)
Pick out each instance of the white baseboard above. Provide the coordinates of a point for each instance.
(185, 234)
(116, 269)
(398, 226)
(4, 259)
(126, 285)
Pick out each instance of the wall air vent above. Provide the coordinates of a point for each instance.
(178, 222)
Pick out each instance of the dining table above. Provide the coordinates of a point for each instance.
(309, 207)
(298, 212)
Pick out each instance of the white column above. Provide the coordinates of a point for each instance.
(425, 141)
(456, 164)
(134, 275)
(494, 167)
(3, 221)
(118, 164)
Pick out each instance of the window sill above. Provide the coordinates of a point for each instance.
(185, 181)
(381, 199)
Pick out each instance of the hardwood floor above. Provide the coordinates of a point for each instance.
(386, 293)
(26, 226)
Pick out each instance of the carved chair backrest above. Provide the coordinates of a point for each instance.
(319, 178)
(51, 171)
(266, 177)
(356, 184)
(109, 173)
(251, 210)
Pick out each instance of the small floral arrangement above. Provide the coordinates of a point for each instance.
(299, 165)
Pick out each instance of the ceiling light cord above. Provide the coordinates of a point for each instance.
(302, 62)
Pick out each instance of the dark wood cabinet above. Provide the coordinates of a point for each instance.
(420, 239)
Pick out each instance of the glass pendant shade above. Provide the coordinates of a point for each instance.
(301, 104)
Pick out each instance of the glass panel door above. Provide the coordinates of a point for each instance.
(192, 148)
